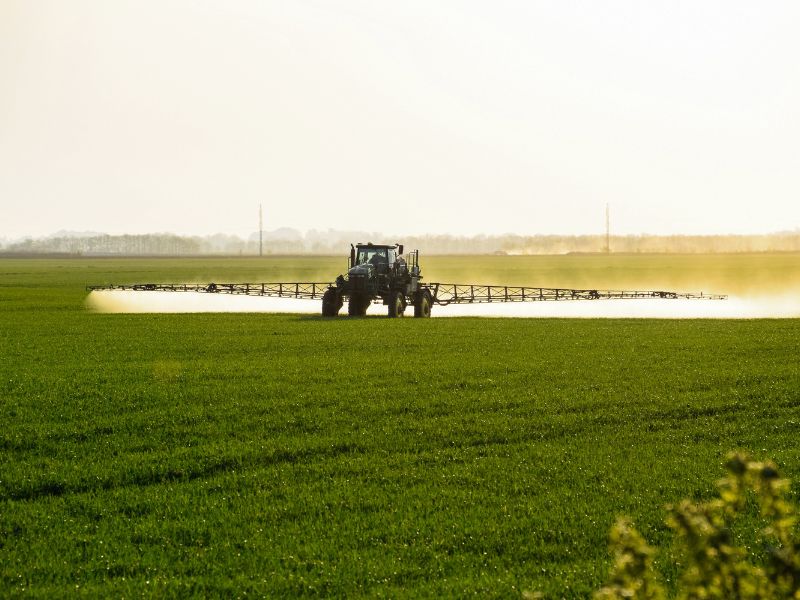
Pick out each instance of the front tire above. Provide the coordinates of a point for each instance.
(357, 306)
(397, 304)
(331, 303)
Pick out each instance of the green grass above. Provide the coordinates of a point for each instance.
(280, 455)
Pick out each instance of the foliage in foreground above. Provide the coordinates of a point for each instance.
(716, 567)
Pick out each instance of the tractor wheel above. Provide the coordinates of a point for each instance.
(422, 305)
(357, 306)
(331, 303)
(397, 304)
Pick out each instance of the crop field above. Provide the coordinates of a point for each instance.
(288, 455)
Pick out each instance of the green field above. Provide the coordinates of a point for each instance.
(283, 455)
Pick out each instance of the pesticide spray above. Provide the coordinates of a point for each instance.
(784, 304)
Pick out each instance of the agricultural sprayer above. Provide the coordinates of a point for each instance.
(381, 272)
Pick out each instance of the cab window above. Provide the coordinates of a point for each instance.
(371, 255)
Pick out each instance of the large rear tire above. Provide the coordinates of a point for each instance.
(357, 306)
(331, 303)
(397, 304)
(422, 305)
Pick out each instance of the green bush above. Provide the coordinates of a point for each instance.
(715, 566)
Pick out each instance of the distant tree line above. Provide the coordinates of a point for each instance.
(290, 241)
(148, 244)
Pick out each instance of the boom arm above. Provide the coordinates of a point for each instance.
(456, 293)
(441, 293)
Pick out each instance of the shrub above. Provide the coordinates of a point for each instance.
(716, 567)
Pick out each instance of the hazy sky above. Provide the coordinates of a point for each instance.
(402, 117)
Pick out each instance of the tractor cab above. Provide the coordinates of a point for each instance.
(369, 259)
(375, 255)
(372, 255)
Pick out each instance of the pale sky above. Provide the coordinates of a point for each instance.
(411, 117)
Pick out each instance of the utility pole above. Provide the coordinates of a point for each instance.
(260, 231)
(608, 230)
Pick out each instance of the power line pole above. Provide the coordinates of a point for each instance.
(608, 230)
(260, 231)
